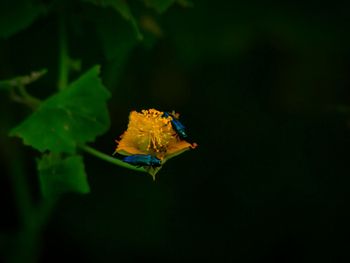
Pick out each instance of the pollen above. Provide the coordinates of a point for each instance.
(149, 131)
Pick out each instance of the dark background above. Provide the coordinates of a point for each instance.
(262, 88)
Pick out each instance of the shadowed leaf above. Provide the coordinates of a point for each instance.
(122, 7)
(159, 5)
(17, 15)
(59, 176)
(115, 34)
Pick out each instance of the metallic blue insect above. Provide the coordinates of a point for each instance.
(177, 125)
(142, 160)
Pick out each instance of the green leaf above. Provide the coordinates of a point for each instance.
(17, 15)
(74, 116)
(59, 176)
(159, 5)
(122, 7)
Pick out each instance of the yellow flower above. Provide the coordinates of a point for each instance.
(150, 133)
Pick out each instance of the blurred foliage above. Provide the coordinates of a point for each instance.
(17, 15)
(58, 176)
(74, 114)
(123, 8)
(159, 5)
(21, 81)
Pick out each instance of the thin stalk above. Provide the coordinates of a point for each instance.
(110, 159)
(21, 191)
(63, 59)
(32, 218)
(28, 99)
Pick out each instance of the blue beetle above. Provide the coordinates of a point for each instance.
(177, 125)
(142, 160)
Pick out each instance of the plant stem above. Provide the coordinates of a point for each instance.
(32, 218)
(63, 53)
(110, 159)
(21, 190)
(28, 99)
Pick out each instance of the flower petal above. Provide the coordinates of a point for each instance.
(178, 148)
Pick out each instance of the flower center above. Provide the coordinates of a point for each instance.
(153, 131)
